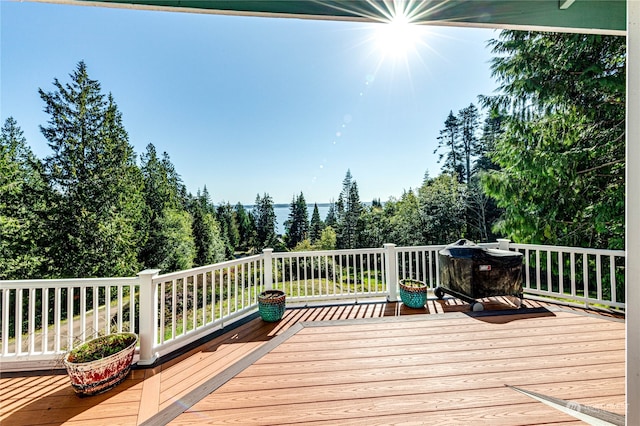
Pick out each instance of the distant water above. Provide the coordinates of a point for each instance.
(282, 213)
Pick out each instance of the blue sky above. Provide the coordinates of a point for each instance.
(249, 105)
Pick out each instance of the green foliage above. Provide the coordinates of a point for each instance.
(561, 156)
(22, 254)
(101, 347)
(229, 227)
(297, 225)
(327, 239)
(316, 226)
(442, 202)
(405, 222)
(246, 228)
(348, 210)
(375, 227)
(264, 217)
(210, 247)
(170, 244)
(177, 250)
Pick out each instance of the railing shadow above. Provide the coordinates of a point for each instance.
(28, 399)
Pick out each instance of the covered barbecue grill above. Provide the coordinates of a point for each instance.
(469, 272)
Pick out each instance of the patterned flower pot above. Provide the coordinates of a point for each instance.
(100, 375)
(271, 304)
(413, 293)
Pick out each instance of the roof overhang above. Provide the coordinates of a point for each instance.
(584, 16)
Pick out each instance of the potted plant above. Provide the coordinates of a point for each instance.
(101, 363)
(413, 293)
(271, 305)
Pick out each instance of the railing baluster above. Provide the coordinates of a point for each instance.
(573, 273)
(162, 313)
(174, 308)
(599, 277)
(57, 317)
(45, 320)
(612, 280)
(585, 277)
(32, 320)
(560, 272)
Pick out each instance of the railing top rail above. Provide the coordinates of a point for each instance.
(565, 249)
(421, 248)
(316, 253)
(67, 282)
(206, 268)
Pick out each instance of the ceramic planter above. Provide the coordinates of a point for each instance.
(413, 293)
(94, 377)
(271, 305)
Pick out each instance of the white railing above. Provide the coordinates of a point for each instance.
(325, 275)
(584, 276)
(194, 302)
(41, 319)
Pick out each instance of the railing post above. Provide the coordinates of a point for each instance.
(268, 268)
(503, 243)
(391, 271)
(148, 316)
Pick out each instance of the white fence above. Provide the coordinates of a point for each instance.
(42, 319)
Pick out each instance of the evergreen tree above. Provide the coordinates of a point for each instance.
(169, 225)
(316, 226)
(229, 228)
(206, 230)
(96, 208)
(561, 156)
(405, 226)
(246, 228)
(442, 207)
(469, 143)
(449, 141)
(265, 219)
(331, 219)
(348, 209)
(22, 249)
(375, 226)
(297, 225)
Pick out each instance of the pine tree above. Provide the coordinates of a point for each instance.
(23, 201)
(170, 239)
(348, 210)
(229, 228)
(561, 168)
(246, 228)
(206, 230)
(97, 203)
(331, 219)
(297, 225)
(449, 140)
(316, 226)
(265, 219)
(469, 143)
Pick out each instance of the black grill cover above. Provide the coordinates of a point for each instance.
(479, 272)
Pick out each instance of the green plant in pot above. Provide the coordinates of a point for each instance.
(413, 293)
(101, 363)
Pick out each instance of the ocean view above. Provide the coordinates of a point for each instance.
(282, 213)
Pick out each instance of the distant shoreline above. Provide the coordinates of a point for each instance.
(287, 205)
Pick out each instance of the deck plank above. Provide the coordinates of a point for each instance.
(400, 365)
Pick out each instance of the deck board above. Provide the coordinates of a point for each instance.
(368, 363)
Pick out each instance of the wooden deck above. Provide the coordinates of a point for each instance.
(375, 363)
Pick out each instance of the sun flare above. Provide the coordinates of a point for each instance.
(398, 37)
